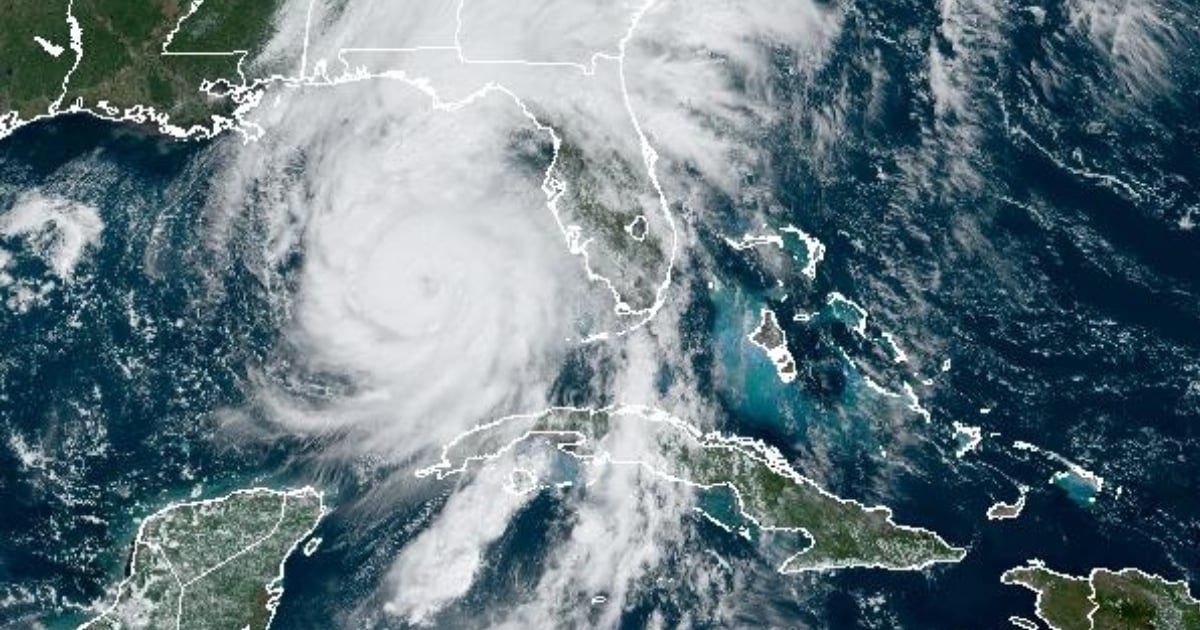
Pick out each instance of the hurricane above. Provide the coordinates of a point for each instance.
(631, 314)
(477, 207)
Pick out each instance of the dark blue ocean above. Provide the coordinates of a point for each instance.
(1032, 253)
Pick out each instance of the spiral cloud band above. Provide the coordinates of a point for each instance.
(475, 203)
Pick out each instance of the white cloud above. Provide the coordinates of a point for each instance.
(59, 230)
(1137, 38)
(626, 522)
(441, 564)
(437, 279)
(433, 274)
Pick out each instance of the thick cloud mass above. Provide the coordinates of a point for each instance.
(434, 277)
(433, 270)
(476, 190)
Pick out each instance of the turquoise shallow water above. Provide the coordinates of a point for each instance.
(1066, 308)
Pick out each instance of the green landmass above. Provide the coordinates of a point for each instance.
(30, 78)
(1064, 601)
(604, 194)
(212, 565)
(765, 489)
(1128, 599)
(842, 533)
(123, 69)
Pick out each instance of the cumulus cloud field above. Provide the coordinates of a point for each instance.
(482, 189)
(479, 189)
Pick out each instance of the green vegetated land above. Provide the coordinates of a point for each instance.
(212, 565)
(842, 533)
(1108, 600)
(30, 78)
(122, 62)
(605, 194)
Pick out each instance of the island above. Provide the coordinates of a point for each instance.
(215, 564)
(1127, 599)
(1001, 511)
(771, 339)
(764, 492)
